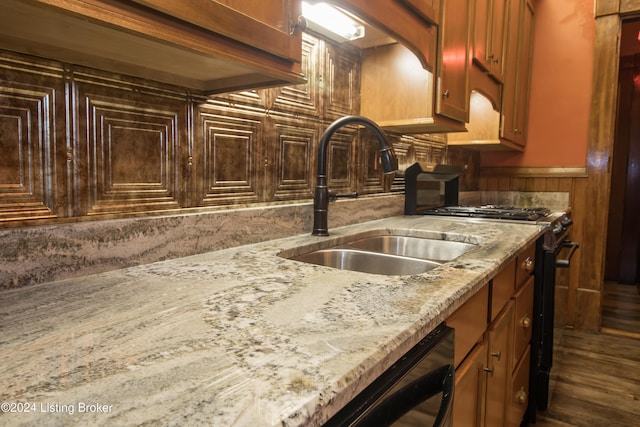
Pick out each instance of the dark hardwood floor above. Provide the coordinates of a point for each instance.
(621, 308)
(597, 375)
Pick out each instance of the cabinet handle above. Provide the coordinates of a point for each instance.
(527, 264)
(497, 355)
(521, 396)
(445, 94)
(526, 321)
(300, 25)
(488, 370)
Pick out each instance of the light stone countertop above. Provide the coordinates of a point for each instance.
(236, 337)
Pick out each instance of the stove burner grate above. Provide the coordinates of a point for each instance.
(492, 211)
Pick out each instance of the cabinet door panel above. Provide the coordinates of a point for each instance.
(468, 399)
(453, 83)
(499, 365)
(428, 9)
(519, 391)
(517, 71)
(258, 23)
(523, 319)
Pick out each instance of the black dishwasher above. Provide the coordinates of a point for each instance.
(416, 391)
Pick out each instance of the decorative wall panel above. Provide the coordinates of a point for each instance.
(303, 99)
(341, 161)
(230, 157)
(130, 146)
(370, 173)
(293, 161)
(31, 148)
(341, 82)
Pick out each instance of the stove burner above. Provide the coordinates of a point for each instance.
(491, 211)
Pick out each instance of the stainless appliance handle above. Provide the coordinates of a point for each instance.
(440, 380)
(564, 263)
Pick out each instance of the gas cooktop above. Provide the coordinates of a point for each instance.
(491, 211)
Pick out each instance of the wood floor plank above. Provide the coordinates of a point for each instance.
(596, 382)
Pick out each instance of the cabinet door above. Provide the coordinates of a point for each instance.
(517, 71)
(499, 367)
(265, 25)
(428, 9)
(468, 399)
(488, 36)
(498, 24)
(519, 391)
(453, 75)
(523, 319)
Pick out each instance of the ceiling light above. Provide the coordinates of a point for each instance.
(331, 22)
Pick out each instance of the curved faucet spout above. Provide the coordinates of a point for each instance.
(321, 195)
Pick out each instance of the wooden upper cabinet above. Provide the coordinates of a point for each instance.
(265, 25)
(206, 45)
(515, 99)
(428, 9)
(488, 36)
(452, 90)
(399, 22)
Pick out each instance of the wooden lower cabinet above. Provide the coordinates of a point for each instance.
(492, 375)
(518, 396)
(498, 370)
(468, 401)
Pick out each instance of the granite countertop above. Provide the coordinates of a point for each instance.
(236, 337)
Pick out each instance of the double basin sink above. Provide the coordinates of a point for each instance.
(383, 252)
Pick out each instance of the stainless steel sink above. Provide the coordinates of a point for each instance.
(381, 253)
(413, 247)
(367, 262)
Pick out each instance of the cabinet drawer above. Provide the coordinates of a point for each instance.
(502, 287)
(526, 262)
(523, 319)
(519, 390)
(469, 322)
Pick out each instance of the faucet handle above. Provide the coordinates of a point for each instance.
(333, 196)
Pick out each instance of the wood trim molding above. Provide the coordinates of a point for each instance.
(629, 6)
(607, 7)
(535, 172)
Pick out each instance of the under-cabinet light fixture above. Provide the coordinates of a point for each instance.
(331, 22)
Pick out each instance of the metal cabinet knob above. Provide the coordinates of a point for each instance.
(445, 94)
(301, 25)
(521, 396)
(527, 264)
(526, 322)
